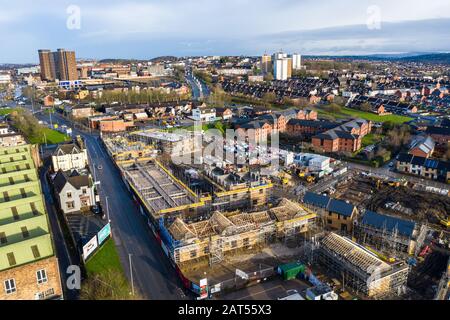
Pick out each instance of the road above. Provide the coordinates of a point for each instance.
(65, 258)
(153, 275)
(199, 89)
(385, 171)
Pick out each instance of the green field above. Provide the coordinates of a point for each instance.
(52, 136)
(106, 258)
(352, 113)
(5, 111)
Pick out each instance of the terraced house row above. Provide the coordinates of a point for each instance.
(28, 265)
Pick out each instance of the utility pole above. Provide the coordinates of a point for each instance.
(131, 274)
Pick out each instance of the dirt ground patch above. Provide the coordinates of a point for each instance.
(402, 201)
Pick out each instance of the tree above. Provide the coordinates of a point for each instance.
(269, 98)
(366, 107)
(268, 77)
(334, 108)
(219, 97)
(26, 123)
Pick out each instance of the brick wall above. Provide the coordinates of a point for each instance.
(26, 280)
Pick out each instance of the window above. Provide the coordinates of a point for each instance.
(3, 239)
(69, 195)
(70, 205)
(41, 276)
(206, 250)
(11, 259)
(193, 253)
(10, 286)
(25, 232)
(234, 243)
(246, 242)
(15, 213)
(84, 191)
(35, 251)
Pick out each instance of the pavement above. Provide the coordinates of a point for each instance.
(153, 275)
(65, 255)
(271, 290)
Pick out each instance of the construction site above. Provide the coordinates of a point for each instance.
(407, 223)
(159, 190)
(360, 269)
(227, 235)
(395, 197)
(125, 148)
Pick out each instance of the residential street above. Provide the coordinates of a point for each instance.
(153, 275)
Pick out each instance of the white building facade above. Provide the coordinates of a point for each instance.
(69, 157)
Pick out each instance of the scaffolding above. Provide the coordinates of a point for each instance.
(360, 269)
(224, 234)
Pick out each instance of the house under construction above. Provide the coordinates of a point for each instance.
(159, 191)
(237, 190)
(227, 234)
(360, 269)
(123, 148)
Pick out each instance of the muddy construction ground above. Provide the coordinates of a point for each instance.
(402, 201)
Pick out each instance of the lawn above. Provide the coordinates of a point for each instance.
(371, 139)
(5, 111)
(53, 137)
(352, 113)
(374, 117)
(106, 258)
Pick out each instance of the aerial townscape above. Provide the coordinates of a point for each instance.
(278, 175)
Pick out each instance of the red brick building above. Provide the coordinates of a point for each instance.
(345, 138)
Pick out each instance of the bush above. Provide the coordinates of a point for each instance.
(109, 285)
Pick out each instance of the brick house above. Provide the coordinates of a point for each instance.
(224, 113)
(308, 127)
(439, 134)
(255, 131)
(423, 167)
(422, 146)
(79, 112)
(117, 125)
(335, 214)
(344, 138)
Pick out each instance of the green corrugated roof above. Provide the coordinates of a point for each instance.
(23, 218)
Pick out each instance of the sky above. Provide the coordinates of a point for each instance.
(143, 29)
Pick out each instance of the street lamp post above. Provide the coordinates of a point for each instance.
(131, 274)
(107, 209)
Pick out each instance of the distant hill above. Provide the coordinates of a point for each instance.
(134, 61)
(120, 61)
(164, 58)
(441, 58)
(437, 58)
